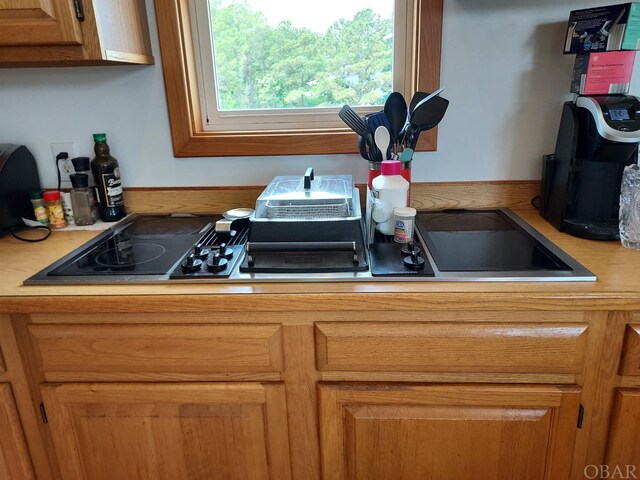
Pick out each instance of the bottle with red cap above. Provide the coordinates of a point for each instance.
(54, 207)
(390, 190)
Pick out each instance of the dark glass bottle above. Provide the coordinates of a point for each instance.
(108, 183)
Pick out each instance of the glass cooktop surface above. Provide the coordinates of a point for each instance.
(482, 241)
(149, 245)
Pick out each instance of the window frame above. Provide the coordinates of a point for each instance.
(183, 102)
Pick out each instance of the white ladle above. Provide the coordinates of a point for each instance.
(382, 139)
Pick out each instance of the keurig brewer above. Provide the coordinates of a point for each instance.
(598, 137)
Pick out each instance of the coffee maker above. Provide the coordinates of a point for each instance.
(598, 137)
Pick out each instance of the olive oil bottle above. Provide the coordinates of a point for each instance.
(108, 183)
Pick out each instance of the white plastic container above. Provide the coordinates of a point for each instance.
(391, 191)
(404, 218)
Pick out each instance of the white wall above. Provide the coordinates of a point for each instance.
(502, 66)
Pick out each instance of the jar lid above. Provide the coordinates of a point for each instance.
(391, 167)
(51, 195)
(404, 212)
(79, 180)
(99, 137)
(35, 194)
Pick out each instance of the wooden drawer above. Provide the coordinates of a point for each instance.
(451, 347)
(3, 367)
(630, 361)
(158, 348)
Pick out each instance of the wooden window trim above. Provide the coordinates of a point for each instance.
(190, 140)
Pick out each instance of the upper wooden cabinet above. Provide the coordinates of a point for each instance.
(38, 22)
(73, 32)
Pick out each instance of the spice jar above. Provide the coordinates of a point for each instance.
(39, 207)
(54, 206)
(85, 207)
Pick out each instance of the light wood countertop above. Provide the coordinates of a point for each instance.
(617, 287)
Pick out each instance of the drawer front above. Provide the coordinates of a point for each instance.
(158, 348)
(451, 347)
(3, 367)
(630, 361)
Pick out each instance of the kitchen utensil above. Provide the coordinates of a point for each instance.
(368, 151)
(406, 155)
(230, 216)
(417, 97)
(395, 108)
(418, 101)
(426, 99)
(382, 139)
(425, 118)
(362, 147)
(375, 120)
(354, 121)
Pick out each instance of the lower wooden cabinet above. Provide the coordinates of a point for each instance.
(623, 448)
(444, 432)
(15, 463)
(169, 431)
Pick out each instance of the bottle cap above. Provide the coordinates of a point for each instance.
(79, 180)
(391, 167)
(35, 194)
(99, 137)
(404, 212)
(51, 195)
(81, 164)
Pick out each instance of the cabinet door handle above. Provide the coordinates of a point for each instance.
(79, 9)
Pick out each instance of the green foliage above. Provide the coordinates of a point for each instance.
(260, 66)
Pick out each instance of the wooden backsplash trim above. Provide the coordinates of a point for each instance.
(424, 196)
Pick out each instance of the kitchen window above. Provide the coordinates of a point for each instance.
(213, 113)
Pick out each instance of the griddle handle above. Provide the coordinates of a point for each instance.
(253, 247)
(308, 177)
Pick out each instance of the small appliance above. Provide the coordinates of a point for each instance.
(18, 178)
(307, 224)
(598, 137)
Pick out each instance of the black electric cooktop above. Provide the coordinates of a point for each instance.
(483, 241)
(146, 246)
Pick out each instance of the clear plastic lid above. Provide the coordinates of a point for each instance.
(322, 197)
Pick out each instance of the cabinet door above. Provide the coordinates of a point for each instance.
(15, 463)
(38, 22)
(623, 449)
(443, 432)
(169, 431)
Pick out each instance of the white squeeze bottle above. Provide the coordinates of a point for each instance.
(391, 191)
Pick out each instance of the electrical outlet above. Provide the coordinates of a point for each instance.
(65, 167)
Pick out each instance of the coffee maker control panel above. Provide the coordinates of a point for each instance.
(617, 117)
